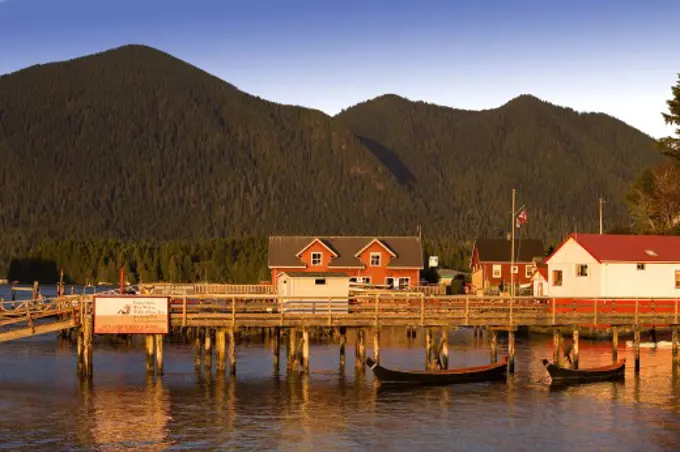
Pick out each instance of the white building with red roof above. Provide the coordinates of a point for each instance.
(613, 266)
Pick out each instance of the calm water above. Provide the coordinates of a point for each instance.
(44, 406)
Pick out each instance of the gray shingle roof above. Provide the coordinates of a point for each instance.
(499, 250)
(283, 250)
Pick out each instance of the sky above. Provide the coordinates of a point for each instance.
(617, 57)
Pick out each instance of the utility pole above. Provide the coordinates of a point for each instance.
(512, 246)
(601, 202)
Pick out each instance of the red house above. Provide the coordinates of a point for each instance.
(491, 258)
(393, 261)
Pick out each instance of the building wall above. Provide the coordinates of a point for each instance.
(377, 274)
(566, 259)
(625, 280)
(306, 287)
(520, 276)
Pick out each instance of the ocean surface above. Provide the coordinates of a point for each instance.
(44, 405)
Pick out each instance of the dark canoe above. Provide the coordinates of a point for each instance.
(604, 373)
(493, 372)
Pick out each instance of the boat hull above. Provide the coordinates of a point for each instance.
(493, 372)
(605, 373)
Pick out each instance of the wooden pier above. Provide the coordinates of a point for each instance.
(214, 320)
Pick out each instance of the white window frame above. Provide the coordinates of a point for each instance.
(528, 271)
(499, 273)
(403, 284)
(580, 267)
(515, 269)
(554, 280)
(320, 255)
(370, 259)
(389, 283)
(364, 279)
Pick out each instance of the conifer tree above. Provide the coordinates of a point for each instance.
(671, 145)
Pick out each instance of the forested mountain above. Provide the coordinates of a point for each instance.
(464, 164)
(135, 145)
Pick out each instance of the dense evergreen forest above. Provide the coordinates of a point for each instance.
(134, 152)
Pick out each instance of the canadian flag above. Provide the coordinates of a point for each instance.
(521, 218)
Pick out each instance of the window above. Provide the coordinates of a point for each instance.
(316, 259)
(641, 267)
(353, 280)
(496, 271)
(677, 279)
(320, 282)
(515, 269)
(364, 280)
(389, 281)
(557, 277)
(528, 271)
(375, 259)
(404, 282)
(581, 270)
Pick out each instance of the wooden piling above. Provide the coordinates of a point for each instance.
(444, 347)
(674, 350)
(360, 350)
(636, 346)
(575, 348)
(494, 346)
(343, 346)
(198, 345)
(556, 347)
(511, 351)
(159, 354)
(232, 352)
(207, 359)
(87, 346)
(79, 350)
(376, 346)
(149, 353)
(305, 350)
(221, 343)
(276, 347)
(428, 349)
(292, 348)
(615, 344)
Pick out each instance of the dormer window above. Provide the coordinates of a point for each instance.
(376, 259)
(316, 259)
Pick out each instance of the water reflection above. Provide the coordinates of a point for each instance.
(262, 409)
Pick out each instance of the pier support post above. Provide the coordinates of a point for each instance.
(159, 354)
(232, 352)
(79, 349)
(198, 345)
(674, 345)
(207, 359)
(615, 344)
(276, 347)
(149, 353)
(343, 347)
(444, 347)
(494, 346)
(511, 351)
(556, 347)
(360, 350)
(88, 336)
(636, 345)
(575, 340)
(376, 346)
(221, 343)
(305, 350)
(292, 349)
(428, 348)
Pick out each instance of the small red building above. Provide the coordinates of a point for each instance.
(491, 258)
(392, 261)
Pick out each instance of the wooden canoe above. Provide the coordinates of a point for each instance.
(492, 372)
(604, 373)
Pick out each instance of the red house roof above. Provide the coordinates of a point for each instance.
(628, 248)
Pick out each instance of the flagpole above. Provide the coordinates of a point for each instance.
(512, 247)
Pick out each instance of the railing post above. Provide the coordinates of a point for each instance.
(554, 311)
(422, 309)
(184, 311)
(376, 309)
(330, 312)
(233, 312)
(636, 312)
(595, 312)
(467, 310)
(512, 302)
(676, 311)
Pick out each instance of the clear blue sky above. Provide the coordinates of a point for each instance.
(620, 57)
